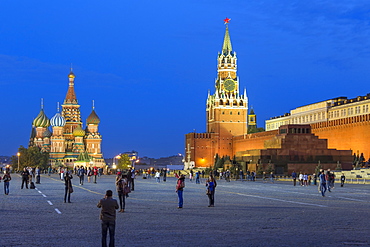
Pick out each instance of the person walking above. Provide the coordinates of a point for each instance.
(180, 185)
(342, 179)
(81, 174)
(68, 189)
(322, 183)
(272, 177)
(25, 175)
(6, 179)
(38, 175)
(108, 207)
(158, 176)
(211, 187)
(294, 177)
(120, 185)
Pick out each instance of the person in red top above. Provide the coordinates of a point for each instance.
(95, 172)
(180, 185)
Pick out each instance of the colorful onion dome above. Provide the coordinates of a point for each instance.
(47, 133)
(41, 120)
(78, 131)
(57, 120)
(93, 118)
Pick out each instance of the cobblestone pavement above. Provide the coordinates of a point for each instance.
(245, 214)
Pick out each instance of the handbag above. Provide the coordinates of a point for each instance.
(70, 189)
(126, 190)
(208, 192)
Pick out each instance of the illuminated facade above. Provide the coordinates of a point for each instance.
(227, 112)
(68, 141)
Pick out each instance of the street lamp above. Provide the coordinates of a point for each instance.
(18, 154)
(115, 158)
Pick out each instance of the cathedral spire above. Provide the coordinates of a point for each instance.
(71, 95)
(226, 47)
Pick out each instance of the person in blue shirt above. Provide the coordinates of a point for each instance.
(322, 183)
(211, 187)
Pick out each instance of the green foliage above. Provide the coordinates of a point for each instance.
(30, 157)
(260, 169)
(219, 162)
(124, 162)
(270, 169)
(318, 168)
(255, 130)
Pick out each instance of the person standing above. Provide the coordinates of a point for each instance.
(342, 179)
(294, 177)
(133, 179)
(81, 174)
(120, 185)
(211, 187)
(158, 176)
(6, 179)
(68, 189)
(180, 185)
(322, 183)
(197, 177)
(38, 174)
(272, 177)
(108, 207)
(89, 174)
(328, 182)
(95, 172)
(164, 175)
(25, 175)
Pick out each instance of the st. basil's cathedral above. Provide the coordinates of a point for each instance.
(67, 143)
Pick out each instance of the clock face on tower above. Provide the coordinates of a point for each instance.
(229, 85)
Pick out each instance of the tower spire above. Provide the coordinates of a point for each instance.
(226, 47)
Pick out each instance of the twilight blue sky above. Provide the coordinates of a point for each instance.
(149, 64)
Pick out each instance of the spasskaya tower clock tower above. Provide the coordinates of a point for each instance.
(227, 108)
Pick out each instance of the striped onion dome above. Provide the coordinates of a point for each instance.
(57, 120)
(93, 118)
(47, 133)
(78, 131)
(41, 120)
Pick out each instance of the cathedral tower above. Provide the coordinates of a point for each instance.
(71, 113)
(227, 108)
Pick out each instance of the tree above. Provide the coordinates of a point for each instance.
(30, 157)
(124, 162)
(318, 168)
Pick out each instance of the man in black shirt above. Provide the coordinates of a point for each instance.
(108, 207)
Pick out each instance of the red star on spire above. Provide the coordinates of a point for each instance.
(226, 20)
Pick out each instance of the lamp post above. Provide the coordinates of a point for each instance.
(18, 154)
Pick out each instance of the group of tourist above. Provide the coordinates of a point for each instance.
(326, 180)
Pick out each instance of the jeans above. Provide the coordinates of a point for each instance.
(66, 192)
(323, 188)
(37, 179)
(197, 181)
(105, 225)
(328, 185)
(211, 198)
(6, 188)
(122, 200)
(82, 179)
(181, 199)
